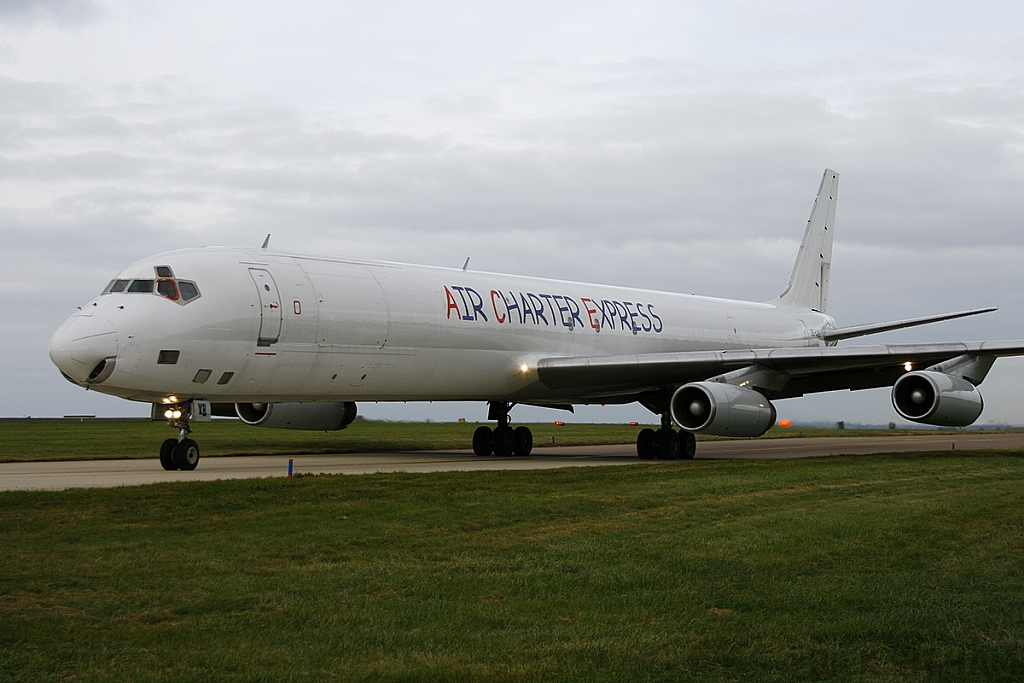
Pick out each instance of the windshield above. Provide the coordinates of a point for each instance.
(141, 287)
(180, 291)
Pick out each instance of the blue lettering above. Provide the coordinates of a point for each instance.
(659, 327)
(527, 311)
(510, 306)
(605, 314)
(622, 313)
(632, 317)
(649, 325)
(538, 307)
(465, 306)
(575, 311)
(550, 307)
(562, 310)
(478, 303)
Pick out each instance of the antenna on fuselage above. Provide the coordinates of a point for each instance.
(466, 264)
(266, 242)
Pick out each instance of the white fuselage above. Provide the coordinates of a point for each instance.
(296, 328)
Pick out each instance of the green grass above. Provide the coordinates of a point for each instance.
(880, 568)
(102, 439)
(113, 439)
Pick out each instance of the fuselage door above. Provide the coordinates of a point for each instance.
(270, 306)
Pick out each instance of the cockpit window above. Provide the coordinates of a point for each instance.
(141, 286)
(116, 286)
(180, 291)
(167, 288)
(188, 290)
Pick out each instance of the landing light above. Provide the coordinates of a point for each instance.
(172, 414)
(908, 366)
(524, 367)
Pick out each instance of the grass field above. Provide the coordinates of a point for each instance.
(106, 439)
(880, 568)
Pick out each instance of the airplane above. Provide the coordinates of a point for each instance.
(293, 340)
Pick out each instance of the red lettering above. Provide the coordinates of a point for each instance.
(452, 304)
(500, 318)
(590, 312)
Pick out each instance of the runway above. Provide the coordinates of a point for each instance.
(109, 473)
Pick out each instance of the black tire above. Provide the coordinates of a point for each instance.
(645, 444)
(523, 442)
(687, 445)
(668, 444)
(503, 442)
(167, 454)
(482, 441)
(186, 455)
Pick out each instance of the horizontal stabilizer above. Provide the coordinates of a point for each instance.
(875, 328)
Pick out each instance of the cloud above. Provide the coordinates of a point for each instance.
(60, 12)
(734, 164)
(591, 154)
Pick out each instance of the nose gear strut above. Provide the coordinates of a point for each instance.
(181, 453)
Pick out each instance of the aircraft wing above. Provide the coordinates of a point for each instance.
(795, 371)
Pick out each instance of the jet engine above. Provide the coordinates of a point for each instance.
(935, 398)
(313, 416)
(721, 409)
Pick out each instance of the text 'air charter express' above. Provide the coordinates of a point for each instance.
(465, 303)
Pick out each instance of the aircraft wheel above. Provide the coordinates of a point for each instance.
(523, 442)
(482, 441)
(667, 444)
(186, 454)
(503, 442)
(645, 444)
(167, 454)
(687, 445)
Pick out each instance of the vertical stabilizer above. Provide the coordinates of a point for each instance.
(808, 285)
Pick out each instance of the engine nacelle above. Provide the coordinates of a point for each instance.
(312, 416)
(721, 409)
(935, 398)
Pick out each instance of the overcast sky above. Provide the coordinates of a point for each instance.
(666, 145)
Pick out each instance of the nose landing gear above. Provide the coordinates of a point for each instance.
(181, 453)
(502, 441)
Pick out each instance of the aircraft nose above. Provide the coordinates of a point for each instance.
(84, 348)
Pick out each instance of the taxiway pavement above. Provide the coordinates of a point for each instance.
(108, 473)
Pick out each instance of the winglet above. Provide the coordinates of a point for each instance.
(808, 285)
(266, 242)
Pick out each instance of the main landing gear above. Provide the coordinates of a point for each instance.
(666, 443)
(502, 441)
(181, 453)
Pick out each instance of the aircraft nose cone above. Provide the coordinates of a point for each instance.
(84, 348)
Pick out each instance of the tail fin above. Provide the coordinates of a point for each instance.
(808, 285)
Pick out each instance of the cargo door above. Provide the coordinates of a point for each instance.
(353, 311)
(270, 306)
